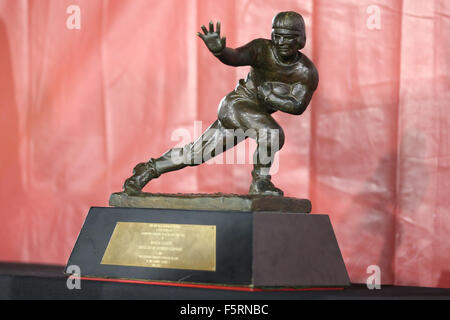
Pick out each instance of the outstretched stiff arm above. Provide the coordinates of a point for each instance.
(293, 99)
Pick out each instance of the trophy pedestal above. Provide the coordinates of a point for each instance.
(213, 202)
(217, 248)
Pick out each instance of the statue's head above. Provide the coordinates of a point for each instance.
(288, 33)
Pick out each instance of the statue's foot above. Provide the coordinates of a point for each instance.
(143, 173)
(131, 188)
(264, 187)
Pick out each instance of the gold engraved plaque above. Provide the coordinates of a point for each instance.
(156, 245)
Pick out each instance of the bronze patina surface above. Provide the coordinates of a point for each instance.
(213, 202)
(281, 78)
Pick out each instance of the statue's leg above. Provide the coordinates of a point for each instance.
(261, 126)
(215, 140)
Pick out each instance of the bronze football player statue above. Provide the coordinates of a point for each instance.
(281, 79)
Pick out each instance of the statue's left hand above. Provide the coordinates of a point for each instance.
(212, 38)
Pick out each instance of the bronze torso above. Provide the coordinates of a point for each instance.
(267, 67)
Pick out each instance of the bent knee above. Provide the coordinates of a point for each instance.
(273, 137)
(278, 138)
(227, 113)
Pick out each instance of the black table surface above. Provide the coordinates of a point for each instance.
(27, 281)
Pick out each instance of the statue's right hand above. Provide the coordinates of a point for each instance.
(212, 38)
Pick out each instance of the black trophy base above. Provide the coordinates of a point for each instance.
(252, 250)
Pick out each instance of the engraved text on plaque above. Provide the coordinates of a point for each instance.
(155, 245)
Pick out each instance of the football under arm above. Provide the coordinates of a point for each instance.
(294, 100)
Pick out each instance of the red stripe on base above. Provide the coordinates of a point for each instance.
(214, 287)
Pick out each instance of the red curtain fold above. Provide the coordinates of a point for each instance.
(80, 107)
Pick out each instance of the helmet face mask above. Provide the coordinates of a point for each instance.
(288, 34)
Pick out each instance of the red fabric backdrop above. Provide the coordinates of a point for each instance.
(79, 108)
